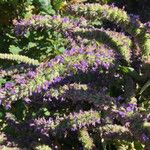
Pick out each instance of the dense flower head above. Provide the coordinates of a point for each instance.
(46, 22)
(131, 24)
(51, 72)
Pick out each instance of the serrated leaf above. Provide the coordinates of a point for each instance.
(14, 49)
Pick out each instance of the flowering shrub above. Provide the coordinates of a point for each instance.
(93, 95)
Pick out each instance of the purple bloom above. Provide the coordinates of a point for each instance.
(97, 61)
(122, 114)
(98, 121)
(50, 64)
(81, 50)
(130, 107)
(46, 85)
(59, 59)
(94, 68)
(73, 50)
(110, 51)
(76, 66)
(119, 99)
(106, 65)
(74, 127)
(65, 19)
(104, 13)
(54, 17)
(27, 100)
(31, 74)
(8, 106)
(20, 80)
(83, 65)
(145, 137)
(39, 89)
(13, 91)
(147, 24)
(18, 31)
(137, 17)
(9, 85)
(57, 79)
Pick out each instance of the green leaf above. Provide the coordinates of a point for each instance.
(27, 34)
(10, 36)
(14, 49)
(138, 145)
(125, 69)
(44, 3)
(129, 71)
(2, 81)
(1, 114)
(47, 113)
(61, 49)
(18, 110)
(31, 45)
(46, 7)
(146, 85)
(57, 4)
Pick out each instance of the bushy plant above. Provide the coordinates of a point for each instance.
(95, 95)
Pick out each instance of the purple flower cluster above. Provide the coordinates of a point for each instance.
(46, 22)
(82, 88)
(9, 85)
(71, 62)
(73, 121)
